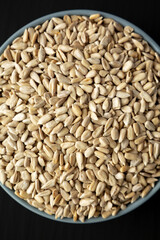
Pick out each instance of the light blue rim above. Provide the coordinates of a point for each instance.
(152, 43)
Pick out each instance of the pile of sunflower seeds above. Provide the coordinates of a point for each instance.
(79, 117)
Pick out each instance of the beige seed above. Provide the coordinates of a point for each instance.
(108, 123)
(60, 111)
(97, 132)
(121, 94)
(127, 119)
(116, 103)
(65, 48)
(100, 188)
(119, 176)
(68, 121)
(25, 57)
(114, 133)
(127, 109)
(67, 145)
(140, 118)
(67, 187)
(136, 128)
(79, 158)
(19, 117)
(146, 96)
(124, 39)
(63, 132)
(86, 121)
(44, 119)
(92, 106)
(62, 79)
(140, 140)
(136, 107)
(106, 105)
(127, 66)
(19, 45)
(101, 149)
(76, 110)
(57, 129)
(41, 54)
(121, 158)
(130, 133)
(131, 156)
(138, 44)
(121, 86)
(87, 88)
(137, 187)
(89, 151)
(145, 191)
(106, 214)
(86, 202)
(100, 155)
(85, 135)
(156, 150)
(139, 77)
(124, 169)
(122, 134)
(49, 184)
(48, 151)
(81, 145)
(94, 16)
(91, 212)
(150, 126)
(156, 134)
(3, 176)
(102, 175)
(79, 131)
(78, 54)
(65, 195)
(32, 63)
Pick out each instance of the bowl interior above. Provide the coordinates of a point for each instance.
(152, 43)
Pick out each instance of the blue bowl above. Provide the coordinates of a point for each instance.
(152, 43)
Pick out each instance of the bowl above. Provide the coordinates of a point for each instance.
(152, 43)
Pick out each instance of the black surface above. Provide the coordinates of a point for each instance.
(19, 223)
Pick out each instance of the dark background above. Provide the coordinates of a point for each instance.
(21, 224)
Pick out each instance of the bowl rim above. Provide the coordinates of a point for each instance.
(153, 44)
